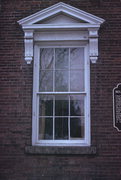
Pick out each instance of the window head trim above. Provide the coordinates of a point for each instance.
(78, 20)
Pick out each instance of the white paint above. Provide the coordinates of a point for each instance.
(61, 18)
(28, 41)
(61, 35)
(61, 8)
(61, 25)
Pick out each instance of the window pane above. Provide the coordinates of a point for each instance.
(46, 58)
(45, 128)
(77, 105)
(46, 80)
(61, 105)
(46, 105)
(61, 58)
(61, 80)
(77, 58)
(77, 128)
(61, 128)
(77, 80)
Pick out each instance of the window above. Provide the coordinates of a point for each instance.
(61, 39)
(61, 90)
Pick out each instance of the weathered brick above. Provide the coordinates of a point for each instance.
(16, 78)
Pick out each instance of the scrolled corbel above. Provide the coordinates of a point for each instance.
(93, 45)
(28, 42)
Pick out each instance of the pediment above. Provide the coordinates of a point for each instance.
(60, 18)
(61, 13)
(61, 22)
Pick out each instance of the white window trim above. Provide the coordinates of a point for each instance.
(91, 25)
(87, 139)
(78, 27)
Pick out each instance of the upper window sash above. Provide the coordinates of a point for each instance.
(86, 62)
(62, 70)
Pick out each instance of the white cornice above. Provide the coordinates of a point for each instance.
(61, 8)
(64, 26)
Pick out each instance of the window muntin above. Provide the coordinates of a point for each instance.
(62, 95)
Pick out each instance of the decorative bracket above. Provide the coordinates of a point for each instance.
(28, 41)
(93, 44)
(117, 107)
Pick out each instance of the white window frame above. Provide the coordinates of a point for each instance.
(65, 23)
(35, 127)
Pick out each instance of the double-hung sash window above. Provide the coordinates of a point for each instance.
(61, 39)
(61, 95)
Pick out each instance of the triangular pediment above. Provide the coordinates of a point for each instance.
(61, 13)
(60, 18)
(61, 22)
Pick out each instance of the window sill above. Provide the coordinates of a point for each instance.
(60, 150)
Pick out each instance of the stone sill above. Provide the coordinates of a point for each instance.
(53, 150)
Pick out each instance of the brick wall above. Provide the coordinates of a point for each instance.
(16, 96)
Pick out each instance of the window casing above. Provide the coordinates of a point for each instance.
(60, 26)
(61, 94)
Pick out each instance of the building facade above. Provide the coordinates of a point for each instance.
(60, 120)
